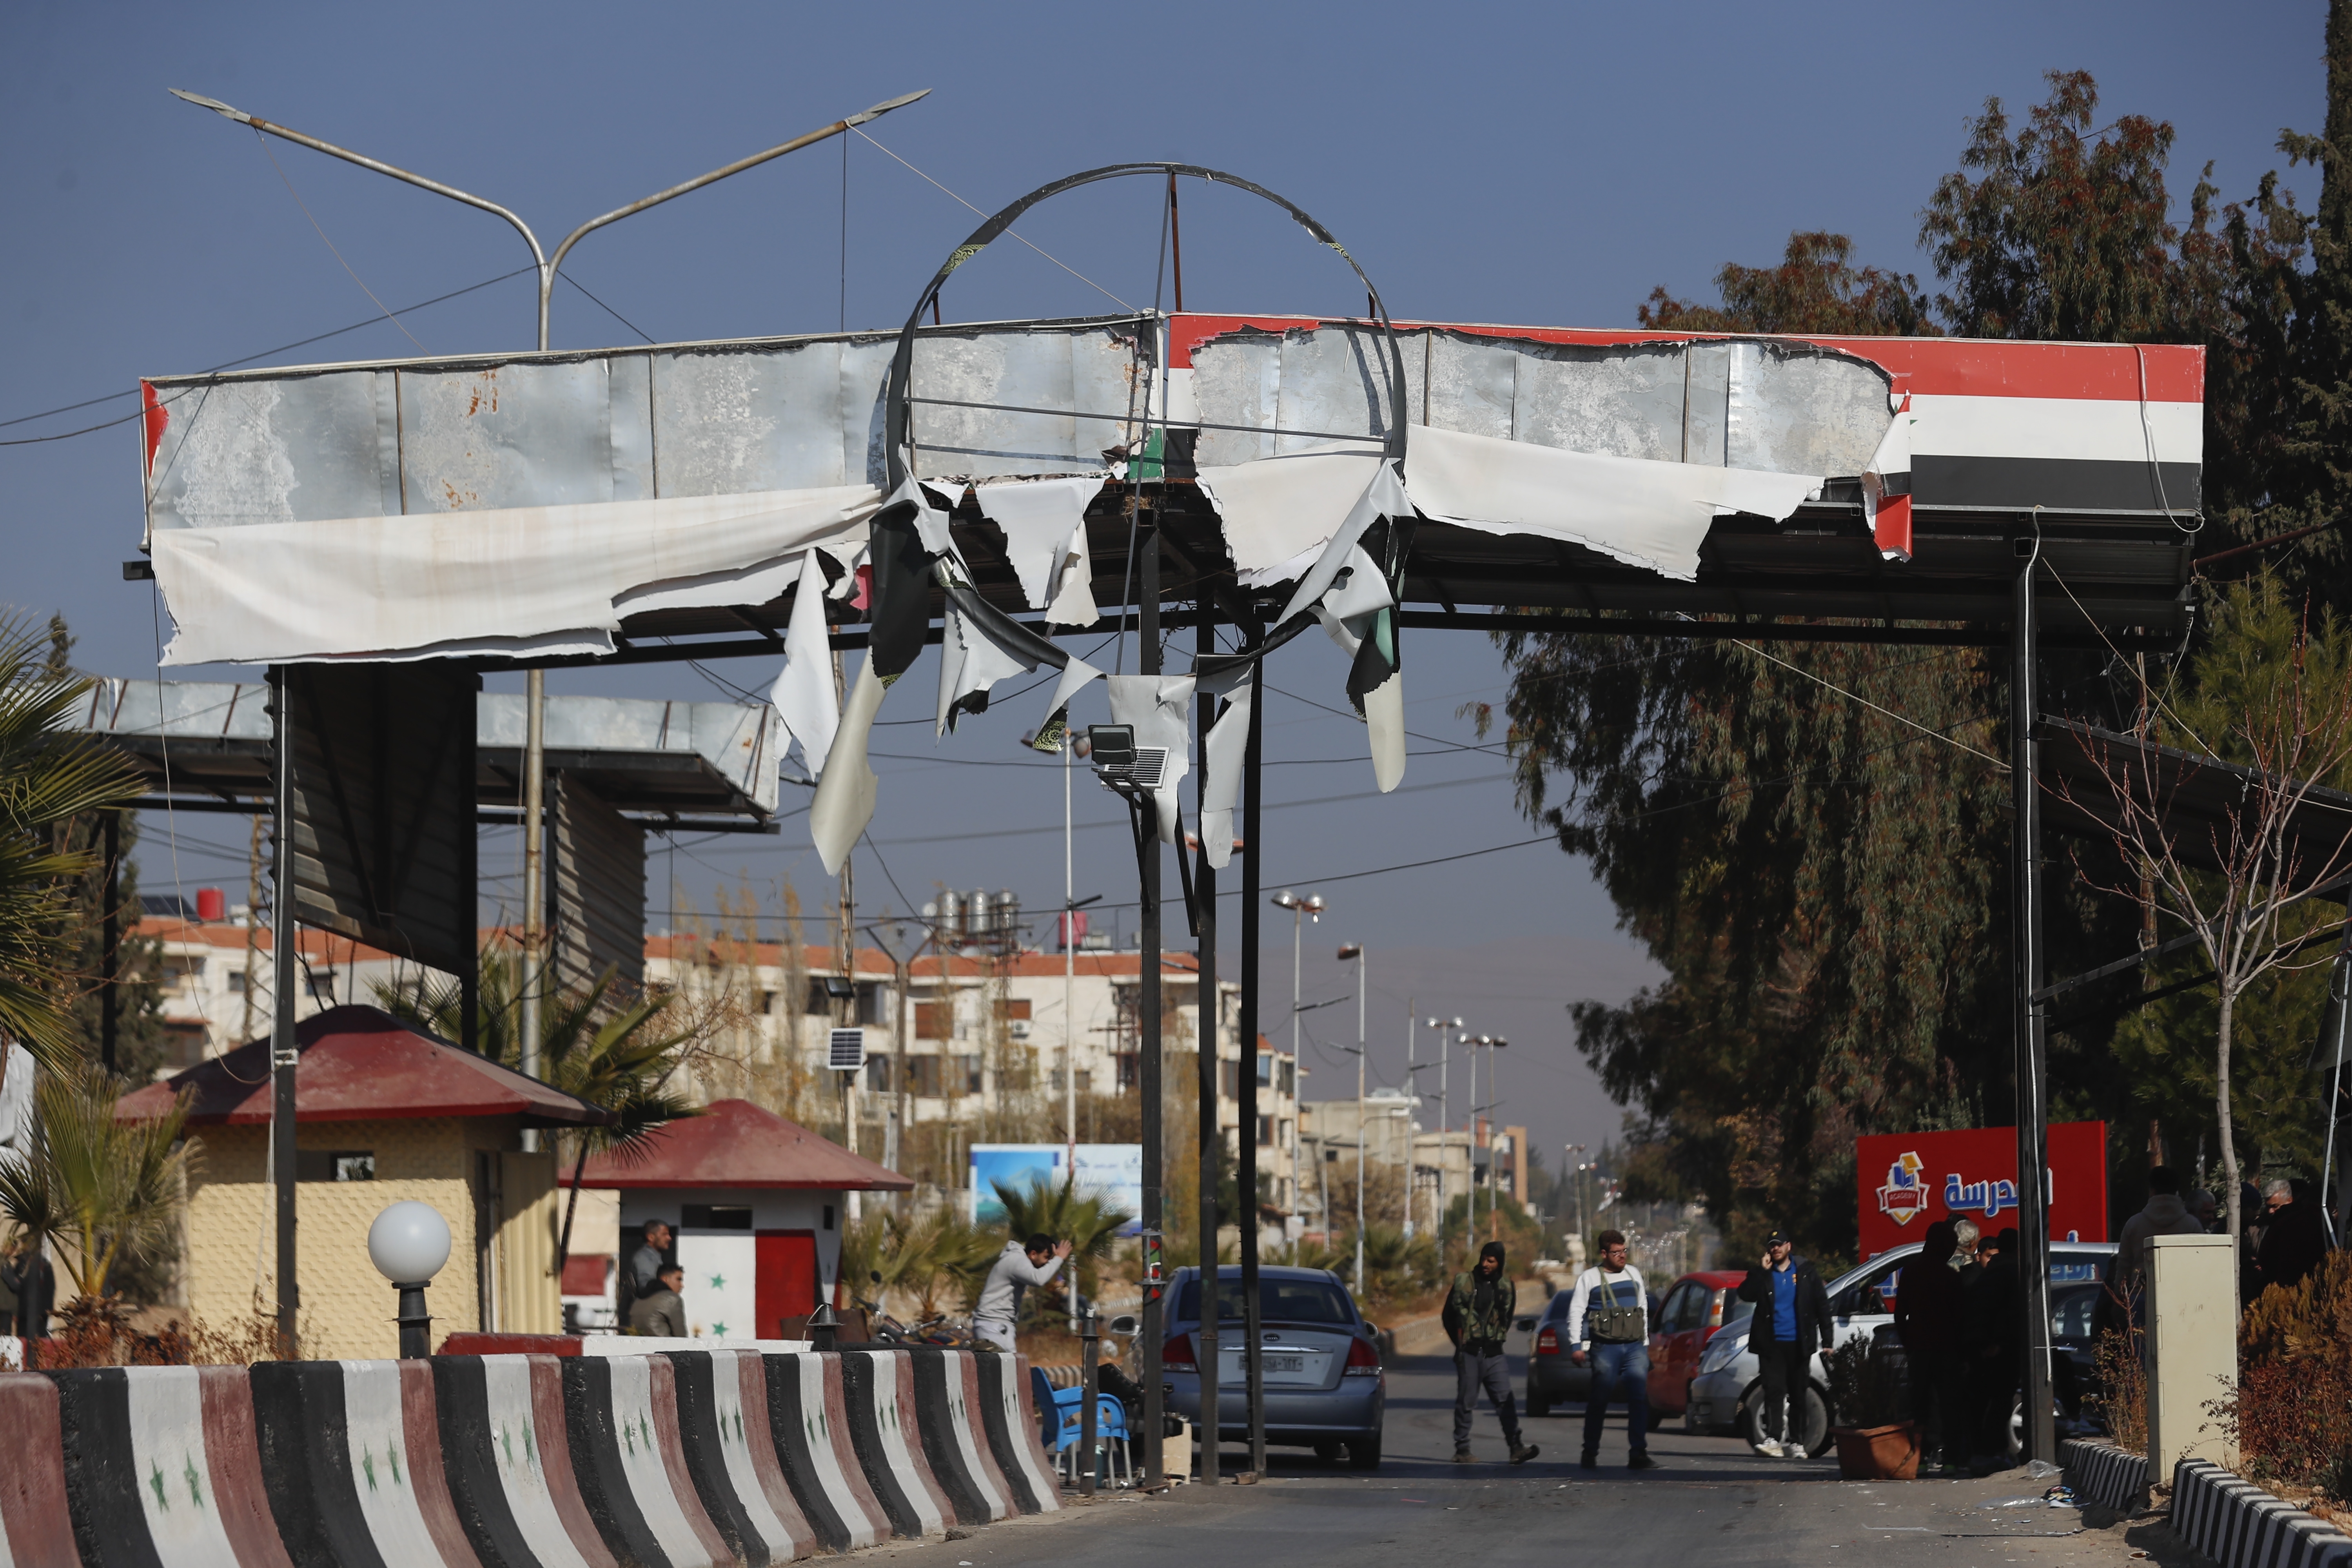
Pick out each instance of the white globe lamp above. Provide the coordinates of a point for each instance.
(408, 1244)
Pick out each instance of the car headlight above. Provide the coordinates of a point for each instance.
(1721, 1352)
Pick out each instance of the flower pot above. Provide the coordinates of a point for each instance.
(1878, 1453)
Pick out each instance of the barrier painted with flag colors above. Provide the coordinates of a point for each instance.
(722, 1458)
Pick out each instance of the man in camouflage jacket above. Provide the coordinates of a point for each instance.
(1477, 1317)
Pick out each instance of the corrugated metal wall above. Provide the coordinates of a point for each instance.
(599, 903)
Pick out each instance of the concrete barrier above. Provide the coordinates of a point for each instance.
(621, 1415)
(730, 1452)
(2238, 1525)
(509, 1463)
(1009, 1417)
(879, 1390)
(808, 1413)
(161, 1469)
(943, 1409)
(35, 1526)
(350, 1458)
(2105, 1474)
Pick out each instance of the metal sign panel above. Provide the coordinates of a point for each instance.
(599, 897)
(382, 806)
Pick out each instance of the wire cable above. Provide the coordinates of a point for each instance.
(264, 143)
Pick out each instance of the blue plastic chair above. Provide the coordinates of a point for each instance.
(1062, 1412)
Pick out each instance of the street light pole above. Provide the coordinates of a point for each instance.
(534, 896)
(1309, 905)
(1356, 952)
(1494, 1177)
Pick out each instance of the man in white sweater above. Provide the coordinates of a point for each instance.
(1610, 1308)
(1017, 1268)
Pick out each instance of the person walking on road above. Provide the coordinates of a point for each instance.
(1792, 1319)
(1609, 1321)
(1477, 1318)
(661, 1311)
(1929, 1308)
(1018, 1267)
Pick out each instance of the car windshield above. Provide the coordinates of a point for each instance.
(1279, 1300)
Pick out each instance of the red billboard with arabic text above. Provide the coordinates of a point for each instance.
(1910, 1180)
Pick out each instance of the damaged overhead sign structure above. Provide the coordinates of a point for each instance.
(986, 487)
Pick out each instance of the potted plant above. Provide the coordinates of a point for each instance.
(1870, 1410)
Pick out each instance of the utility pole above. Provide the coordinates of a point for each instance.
(1356, 952)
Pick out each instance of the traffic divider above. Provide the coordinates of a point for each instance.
(944, 1411)
(161, 1467)
(508, 1462)
(621, 1415)
(2238, 1525)
(36, 1525)
(350, 1458)
(1010, 1416)
(730, 1452)
(879, 1386)
(808, 1413)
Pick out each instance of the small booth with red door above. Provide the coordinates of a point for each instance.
(755, 1205)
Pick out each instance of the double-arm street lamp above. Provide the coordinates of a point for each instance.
(1302, 908)
(1444, 1119)
(1356, 950)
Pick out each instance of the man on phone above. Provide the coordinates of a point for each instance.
(1610, 1307)
(1792, 1316)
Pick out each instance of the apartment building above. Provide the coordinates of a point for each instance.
(218, 977)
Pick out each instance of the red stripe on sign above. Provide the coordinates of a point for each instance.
(662, 1377)
(420, 1430)
(555, 1463)
(158, 416)
(1970, 367)
(232, 1456)
(1893, 527)
(34, 1515)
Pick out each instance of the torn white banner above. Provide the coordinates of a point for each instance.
(1045, 539)
(1159, 709)
(804, 696)
(970, 663)
(1279, 512)
(1635, 510)
(1228, 746)
(1053, 734)
(389, 587)
(845, 793)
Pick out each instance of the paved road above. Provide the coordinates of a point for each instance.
(1714, 1502)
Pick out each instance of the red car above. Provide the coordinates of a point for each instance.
(1687, 1316)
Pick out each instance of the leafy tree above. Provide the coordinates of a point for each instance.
(47, 777)
(1816, 289)
(107, 1188)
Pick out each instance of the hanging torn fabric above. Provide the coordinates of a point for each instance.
(804, 696)
(499, 580)
(1280, 513)
(1639, 511)
(1076, 675)
(1228, 746)
(1886, 485)
(1159, 709)
(970, 663)
(1046, 540)
(908, 529)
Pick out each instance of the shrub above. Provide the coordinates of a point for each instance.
(2122, 1399)
(96, 1330)
(1866, 1389)
(2291, 1416)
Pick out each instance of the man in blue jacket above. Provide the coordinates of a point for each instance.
(1792, 1317)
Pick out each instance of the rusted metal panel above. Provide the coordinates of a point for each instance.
(501, 436)
(292, 449)
(382, 810)
(600, 888)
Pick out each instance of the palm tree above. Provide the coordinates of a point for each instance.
(46, 777)
(914, 1256)
(592, 1046)
(108, 1189)
(1091, 1224)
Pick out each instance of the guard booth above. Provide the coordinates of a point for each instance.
(988, 487)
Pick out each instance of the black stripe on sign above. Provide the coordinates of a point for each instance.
(706, 1461)
(306, 1465)
(993, 1371)
(796, 1431)
(595, 1445)
(102, 1474)
(858, 1382)
(937, 1414)
(461, 1399)
(2063, 483)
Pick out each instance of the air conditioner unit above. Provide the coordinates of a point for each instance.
(1018, 1028)
(848, 1050)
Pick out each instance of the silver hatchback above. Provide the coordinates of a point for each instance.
(1325, 1386)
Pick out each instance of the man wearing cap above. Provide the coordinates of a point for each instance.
(1477, 1318)
(1792, 1317)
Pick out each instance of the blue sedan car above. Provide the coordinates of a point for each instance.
(1325, 1388)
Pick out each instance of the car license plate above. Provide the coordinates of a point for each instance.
(1285, 1364)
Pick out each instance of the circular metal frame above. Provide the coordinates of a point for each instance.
(898, 412)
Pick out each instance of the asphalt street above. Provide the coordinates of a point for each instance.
(1712, 1501)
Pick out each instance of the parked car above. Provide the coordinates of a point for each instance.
(1728, 1394)
(1693, 1311)
(1325, 1386)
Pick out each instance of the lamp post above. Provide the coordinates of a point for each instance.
(1575, 1172)
(1494, 1177)
(1356, 950)
(1311, 907)
(408, 1244)
(1444, 1123)
(534, 782)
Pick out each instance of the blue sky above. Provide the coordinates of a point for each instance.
(1542, 164)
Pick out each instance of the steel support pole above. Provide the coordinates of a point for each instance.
(534, 875)
(1208, 1059)
(1362, 1133)
(110, 943)
(1253, 896)
(2032, 1111)
(284, 966)
(1147, 1046)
